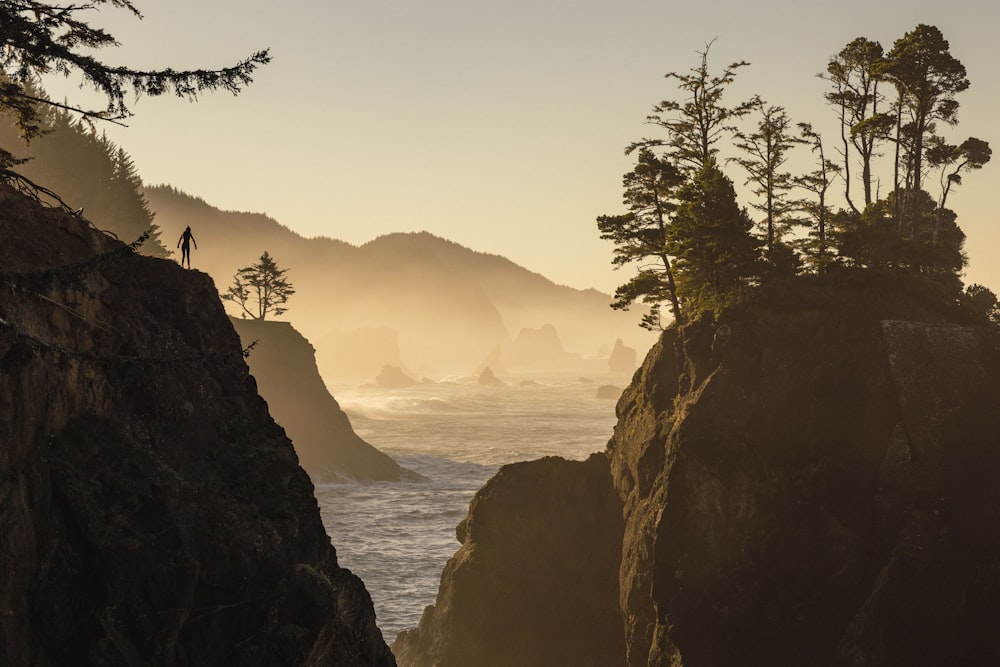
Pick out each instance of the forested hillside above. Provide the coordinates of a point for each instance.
(447, 305)
(86, 171)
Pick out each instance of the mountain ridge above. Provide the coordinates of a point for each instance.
(449, 305)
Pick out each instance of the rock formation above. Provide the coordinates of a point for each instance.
(609, 392)
(510, 596)
(806, 485)
(489, 379)
(151, 511)
(622, 359)
(284, 365)
(393, 377)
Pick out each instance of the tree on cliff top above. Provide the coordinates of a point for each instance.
(262, 286)
(41, 37)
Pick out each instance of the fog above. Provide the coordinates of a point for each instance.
(414, 301)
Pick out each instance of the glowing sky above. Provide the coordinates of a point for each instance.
(498, 125)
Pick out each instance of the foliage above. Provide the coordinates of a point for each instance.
(693, 126)
(765, 151)
(855, 74)
(927, 78)
(260, 289)
(641, 235)
(42, 37)
(711, 259)
(699, 120)
(982, 303)
(816, 206)
(90, 173)
(717, 257)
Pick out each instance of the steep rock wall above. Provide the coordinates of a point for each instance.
(811, 487)
(809, 484)
(151, 510)
(284, 365)
(535, 581)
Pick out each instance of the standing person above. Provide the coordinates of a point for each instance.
(186, 238)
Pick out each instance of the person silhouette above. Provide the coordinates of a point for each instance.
(184, 243)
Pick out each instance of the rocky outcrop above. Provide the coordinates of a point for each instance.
(622, 359)
(393, 377)
(535, 581)
(489, 379)
(609, 392)
(807, 485)
(284, 365)
(151, 511)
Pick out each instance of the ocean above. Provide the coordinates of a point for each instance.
(397, 536)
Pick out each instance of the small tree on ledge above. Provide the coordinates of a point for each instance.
(261, 287)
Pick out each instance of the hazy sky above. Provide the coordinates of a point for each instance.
(498, 125)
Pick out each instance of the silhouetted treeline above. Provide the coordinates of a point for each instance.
(872, 198)
(89, 172)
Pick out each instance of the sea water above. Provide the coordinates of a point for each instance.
(397, 536)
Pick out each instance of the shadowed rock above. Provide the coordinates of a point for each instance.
(284, 365)
(535, 581)
(810, 484)
(151, 511)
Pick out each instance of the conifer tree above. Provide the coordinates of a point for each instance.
(765, 153)
(260, 289)
(855, 75)
(641, 235)
(816, 205)
(716, 255)
(696, 122)
(43, 37)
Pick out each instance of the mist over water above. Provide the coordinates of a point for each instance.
(397, 536)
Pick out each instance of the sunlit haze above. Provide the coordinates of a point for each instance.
(500, 126)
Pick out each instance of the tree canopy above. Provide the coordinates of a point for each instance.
(43, 38)
(697, 248)
(260, 289)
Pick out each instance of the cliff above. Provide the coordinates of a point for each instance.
(510, 596)
(812, 484)
(151, 510)
(284, 365)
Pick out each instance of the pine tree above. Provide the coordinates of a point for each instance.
(717, 256)
(640, 236)
(765, 153)
(42, 37)
(260, 289)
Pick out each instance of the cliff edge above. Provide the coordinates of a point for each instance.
(284, 364)
(151, 510)
(809, 483)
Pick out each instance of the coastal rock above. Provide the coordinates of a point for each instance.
(151, 511)
(284, 365)
(535, 581)
(807, 484)
(393, 377)
(609, 392)
(622, 359)
(488, 379)
(812, 487)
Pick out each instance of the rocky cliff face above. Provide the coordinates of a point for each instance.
(510, 596)
(284, 365)
(803, 486)
(151, 511)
